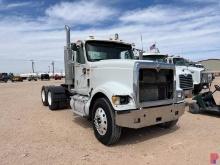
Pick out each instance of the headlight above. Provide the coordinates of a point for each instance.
(120, 100)
(206, 77)
(210, 77)
(180, 96)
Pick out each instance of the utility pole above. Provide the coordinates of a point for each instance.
(32, 64)
(53, 67)
(49, 69)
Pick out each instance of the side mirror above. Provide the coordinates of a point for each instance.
(74, 47)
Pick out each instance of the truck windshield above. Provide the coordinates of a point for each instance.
(102, 50)
(157, 58)
(181, 62)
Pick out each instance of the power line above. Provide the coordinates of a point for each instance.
(39, 60)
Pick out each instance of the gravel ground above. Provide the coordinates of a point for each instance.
(31, 134)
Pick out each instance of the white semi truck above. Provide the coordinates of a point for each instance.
(105, 84)
(184, 80)
(200, 76)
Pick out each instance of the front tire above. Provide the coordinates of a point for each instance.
(105, 129)
(194, 108)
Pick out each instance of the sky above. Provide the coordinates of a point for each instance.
(34, 30)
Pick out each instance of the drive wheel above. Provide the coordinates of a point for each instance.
(194, 108)
(51, 103)
(105, 129)
(44, 96)
(168, 124)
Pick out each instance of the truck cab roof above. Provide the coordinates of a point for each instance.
(103, 40)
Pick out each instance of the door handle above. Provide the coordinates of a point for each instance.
(84, 70)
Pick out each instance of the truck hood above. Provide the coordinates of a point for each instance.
(196, 72)
(195, 69)
(182, 70)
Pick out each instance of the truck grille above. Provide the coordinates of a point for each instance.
(155, 85)
(186, 81)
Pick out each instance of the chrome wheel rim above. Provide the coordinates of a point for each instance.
(43, 96)
(49, 98)
(100, 121)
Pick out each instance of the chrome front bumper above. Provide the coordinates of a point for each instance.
(149, 116)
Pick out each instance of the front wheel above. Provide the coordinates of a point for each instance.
(105, 129)
(194, 108)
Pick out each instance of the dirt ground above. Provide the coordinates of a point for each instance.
(32, 134)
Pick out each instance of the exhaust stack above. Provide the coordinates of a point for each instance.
(68, 60)
(67, 28)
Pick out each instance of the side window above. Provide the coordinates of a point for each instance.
(170, 61)
(80, 56)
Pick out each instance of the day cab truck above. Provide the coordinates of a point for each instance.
(201, 77)
(104, 83)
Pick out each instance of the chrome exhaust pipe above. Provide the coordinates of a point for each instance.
(68, 59)
(67, 28)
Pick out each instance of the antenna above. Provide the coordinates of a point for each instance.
(141, 53)
(142, 43)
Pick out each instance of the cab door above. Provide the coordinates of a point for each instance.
(81, 76)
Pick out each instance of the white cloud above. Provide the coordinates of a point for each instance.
(188, 31)
(201, 1)
(15, 5)
(8, 6)
(161, 14)
(80, 12)
(194, 33)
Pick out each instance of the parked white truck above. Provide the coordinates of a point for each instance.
(105, 84)
(201, 77)
(184, 80)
